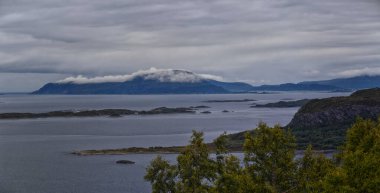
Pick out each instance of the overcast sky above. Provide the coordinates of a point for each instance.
(257, 41)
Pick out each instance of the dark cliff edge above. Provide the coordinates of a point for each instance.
(323, 122)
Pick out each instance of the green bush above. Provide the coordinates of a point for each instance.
(269, 165)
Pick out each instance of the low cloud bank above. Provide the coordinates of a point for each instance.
(358, 72)
(162, 75)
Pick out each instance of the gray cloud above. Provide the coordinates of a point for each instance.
(359, 72)
(257, 41)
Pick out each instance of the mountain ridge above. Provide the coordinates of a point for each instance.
(146, 82)
(168, 81)
(338, 84)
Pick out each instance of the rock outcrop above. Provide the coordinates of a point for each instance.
(323, 122)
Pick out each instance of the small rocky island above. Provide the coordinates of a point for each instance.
(230, 101)
(131, 150)
(200, 107)
(97, 113)
(283, 104)
(127, 162)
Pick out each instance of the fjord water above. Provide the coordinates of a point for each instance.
(35, 153)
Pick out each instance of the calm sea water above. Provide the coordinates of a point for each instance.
(35, 153)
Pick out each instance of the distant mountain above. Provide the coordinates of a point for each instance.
(153, 81)
(355, 83)
(340, 84)
(296, 87)
(235, 87)
(167, 81)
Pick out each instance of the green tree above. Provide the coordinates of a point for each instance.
(269, 158)
(312, 171)
(270, 165)
(195, 168)
(161, 175)
(228, 170)
(359, 160)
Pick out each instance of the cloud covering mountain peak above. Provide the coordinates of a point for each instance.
(162, 75)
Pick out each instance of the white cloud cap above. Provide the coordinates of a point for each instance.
(162, 75)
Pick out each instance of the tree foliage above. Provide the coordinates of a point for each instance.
(195, 168)
(312, 170)
(270, 165)
(228, 170)
(359, 160)
(269, 157)
(161, 175)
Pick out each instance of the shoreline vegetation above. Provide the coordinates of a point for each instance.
(270, 164)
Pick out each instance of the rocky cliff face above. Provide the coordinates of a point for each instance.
(343, 115)
(323, 122)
